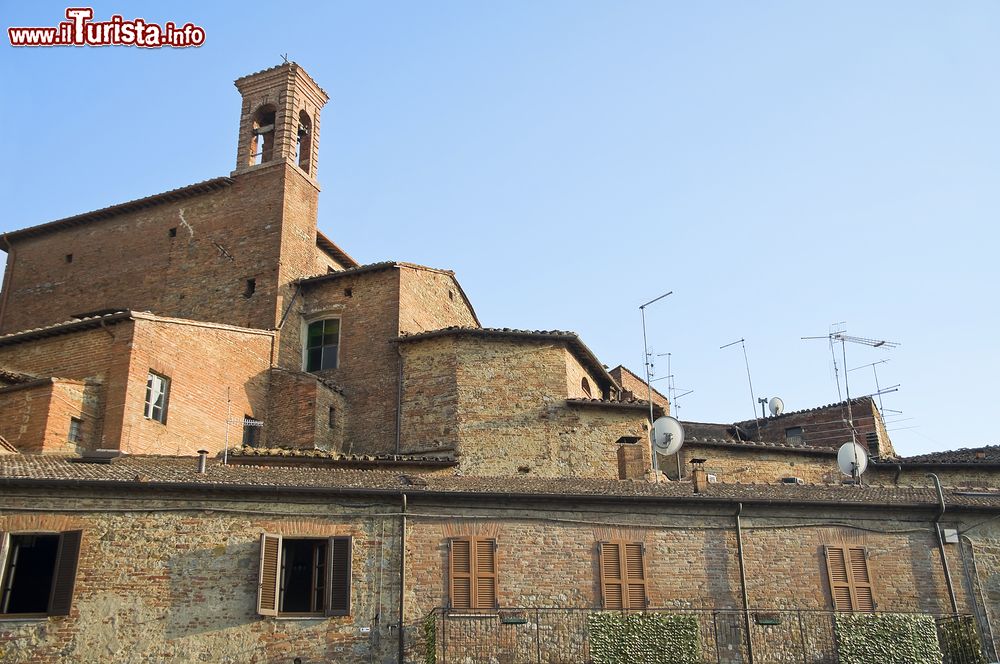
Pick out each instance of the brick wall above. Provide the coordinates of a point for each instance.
(431, 300)
(35, 417)
(827, 426)
(631, 383)
(207, 365)
(299, 412)
(367, 305)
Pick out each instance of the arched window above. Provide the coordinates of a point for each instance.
(262, 135)
(304, 148)
(585, 384)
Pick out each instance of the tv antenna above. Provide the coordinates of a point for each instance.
(746, 361)
(843, 338)
(648, 362)
(878, 388)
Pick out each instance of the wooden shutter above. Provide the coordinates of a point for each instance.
(267, 587)
(338, 601)
(64, 576)
(623, 575)
(486, 574)
(473, 573)
(861, 582)
(850, 579)
(460, 573)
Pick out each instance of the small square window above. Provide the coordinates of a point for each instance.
(157, 396)
(69, 258)
(75, 430)
(793, 435)
(172, 232)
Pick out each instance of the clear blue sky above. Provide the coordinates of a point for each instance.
(780, 166)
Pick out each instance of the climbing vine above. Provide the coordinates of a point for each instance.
(654, 638)
(887, 638)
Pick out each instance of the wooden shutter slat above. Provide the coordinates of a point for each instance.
(473, 568)
(268, 578)
(339, 566)
(65, 573)
(485, 559)
(850, 578)
(635, 574)
(623, 575)
(861, 582)
(612, 586)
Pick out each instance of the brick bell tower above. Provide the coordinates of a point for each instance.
(279, 121)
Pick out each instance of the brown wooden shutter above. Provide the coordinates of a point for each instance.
(635, 575)
(270, 562)
(460, 574)
(612, 583)
(486, 574)
(850, 579)
(861, 582)
(64, 579)
(338, 601)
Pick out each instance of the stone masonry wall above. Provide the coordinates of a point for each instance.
(429, 414)
(215, 372)
(753, 465)
(177, 580)
(575, 374)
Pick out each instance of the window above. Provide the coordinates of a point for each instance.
(262, 135)
(473, 573)
(304, 576)
(251, 288)
(585, 386)
(850, 579)
(69, 258)
(172, 232)
(623, 575)
(157, 394)
(793, 435)
(38, 572)
(75, 430)
(303, 147)
(332, 418)
(251, 431)
(322, 344)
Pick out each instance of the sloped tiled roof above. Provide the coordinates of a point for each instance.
(180, 473)
(733, 436)
(631, 404)
(988, 455)
(270, 455)
(181, 193)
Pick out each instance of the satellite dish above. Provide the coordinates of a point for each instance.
(776, 406)
(852, 458)
(668, 435)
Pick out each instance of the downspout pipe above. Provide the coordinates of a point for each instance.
(402, 582)
(743, 580)
(940, 538)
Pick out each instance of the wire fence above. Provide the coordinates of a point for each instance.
(563, 636)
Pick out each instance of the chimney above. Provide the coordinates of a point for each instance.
(202, 458)
(699, 477)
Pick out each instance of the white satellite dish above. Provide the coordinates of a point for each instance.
(776, 406)
(852, 458)
(668, 435)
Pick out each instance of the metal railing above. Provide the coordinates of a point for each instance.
(562, 636)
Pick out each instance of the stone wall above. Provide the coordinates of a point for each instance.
(431, 300)
(754, 465)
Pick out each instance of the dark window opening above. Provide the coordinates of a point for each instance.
(451, 295)
(303, 564)
(262, 135)
(251, 431)
(585, 386)
(348, 292)
(303, 150)
(29, 573)
(322, 344)
(251, 287)
(69, 258)
(75, 430)
(172, 232)
(329, 269)
(793, 435)
(332, 417)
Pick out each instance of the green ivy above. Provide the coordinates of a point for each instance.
(430, 639)
(960, 641)
(887, 638)
(654, 638)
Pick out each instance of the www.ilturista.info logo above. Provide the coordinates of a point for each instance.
(80, 30)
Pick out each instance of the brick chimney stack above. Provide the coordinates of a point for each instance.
(699, 477)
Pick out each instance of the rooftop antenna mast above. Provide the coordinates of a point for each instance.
(746, 360)
(843, 338)
(878, 388)
(648, 362)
